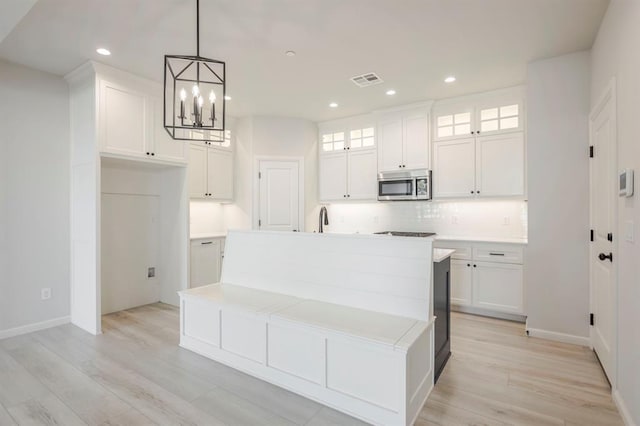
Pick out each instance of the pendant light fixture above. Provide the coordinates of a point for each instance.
(194, 95)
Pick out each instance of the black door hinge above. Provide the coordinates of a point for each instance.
(591, 320)
(591, 151)
(591, 238)
(259, 222)
(259, 175)
(610, 237)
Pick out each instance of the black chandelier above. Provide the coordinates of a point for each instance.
(194, 95)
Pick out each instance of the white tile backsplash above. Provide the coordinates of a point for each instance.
(466, 218)
(205, 217)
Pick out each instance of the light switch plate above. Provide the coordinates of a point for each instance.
(628, 231)
(45, 294)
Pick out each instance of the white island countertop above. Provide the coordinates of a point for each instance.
(440, 254)
(208, 235)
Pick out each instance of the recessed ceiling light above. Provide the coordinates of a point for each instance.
(227, 97)
(102, 51)
(391, 92)
(290, 53)
(333, 105)
(450, 79)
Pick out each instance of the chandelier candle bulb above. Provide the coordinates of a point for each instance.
(200, 104)
(183, 97)
(212, 99)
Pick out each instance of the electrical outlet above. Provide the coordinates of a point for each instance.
(454, 220)
(151, 272)
(506, 220)
(375, 220)
(45, 294)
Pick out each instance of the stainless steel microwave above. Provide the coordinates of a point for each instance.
(404, 185)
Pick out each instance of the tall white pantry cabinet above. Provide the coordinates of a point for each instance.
(116, 121)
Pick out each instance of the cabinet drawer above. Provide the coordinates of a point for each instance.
(498, 253)
(462, 250)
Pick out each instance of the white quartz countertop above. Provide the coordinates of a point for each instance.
(440, 254)
(505, 240)
(208, 235)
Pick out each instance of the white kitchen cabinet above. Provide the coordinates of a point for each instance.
(206, 255)
(348, 175)
(163, 145)
(131, 125)
(333, 176)
(486, 277)
(390, 156)
(454, 168)
(501, 114)
(498, 287)
(210, 173)
(500, 165)
(453, 121)
(348, 160)
(361, 180)
(220, 174)
(403, 141)
(480, 166)
(461, 282)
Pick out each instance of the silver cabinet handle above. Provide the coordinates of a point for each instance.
(496, 254)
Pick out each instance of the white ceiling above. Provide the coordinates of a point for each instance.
(411, 44)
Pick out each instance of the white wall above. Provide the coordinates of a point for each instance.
(469, 218)
(616, 54)
(34, 190)
(556, 270)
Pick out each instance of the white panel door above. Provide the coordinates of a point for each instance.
(197, 171)
(500, 165)
(205, 262)
(123, 120)
(163, 145)
(220, 174)
(362, 179)
(333, 177)
(390, 145)
(416, 141)
(498, 286)
(454, 168)
(461, 282)
(603, 199)
(279, 196)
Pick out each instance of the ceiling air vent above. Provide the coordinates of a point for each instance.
(368, 79)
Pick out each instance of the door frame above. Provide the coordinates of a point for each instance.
(255, 211)
(609, 95)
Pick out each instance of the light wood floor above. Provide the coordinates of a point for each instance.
(135, 374)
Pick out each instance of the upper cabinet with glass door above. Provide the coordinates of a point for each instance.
(500, 111)
(347, 137)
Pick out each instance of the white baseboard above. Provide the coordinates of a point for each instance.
(622, 408)
(29, 328)
(559, 337)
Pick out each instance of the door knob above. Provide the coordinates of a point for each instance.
(603, 256)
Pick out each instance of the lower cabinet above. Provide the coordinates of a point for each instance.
(495, 286)
(206, 261)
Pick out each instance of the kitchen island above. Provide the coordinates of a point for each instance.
(346, 320)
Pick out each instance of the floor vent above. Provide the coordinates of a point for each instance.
(368, 79)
